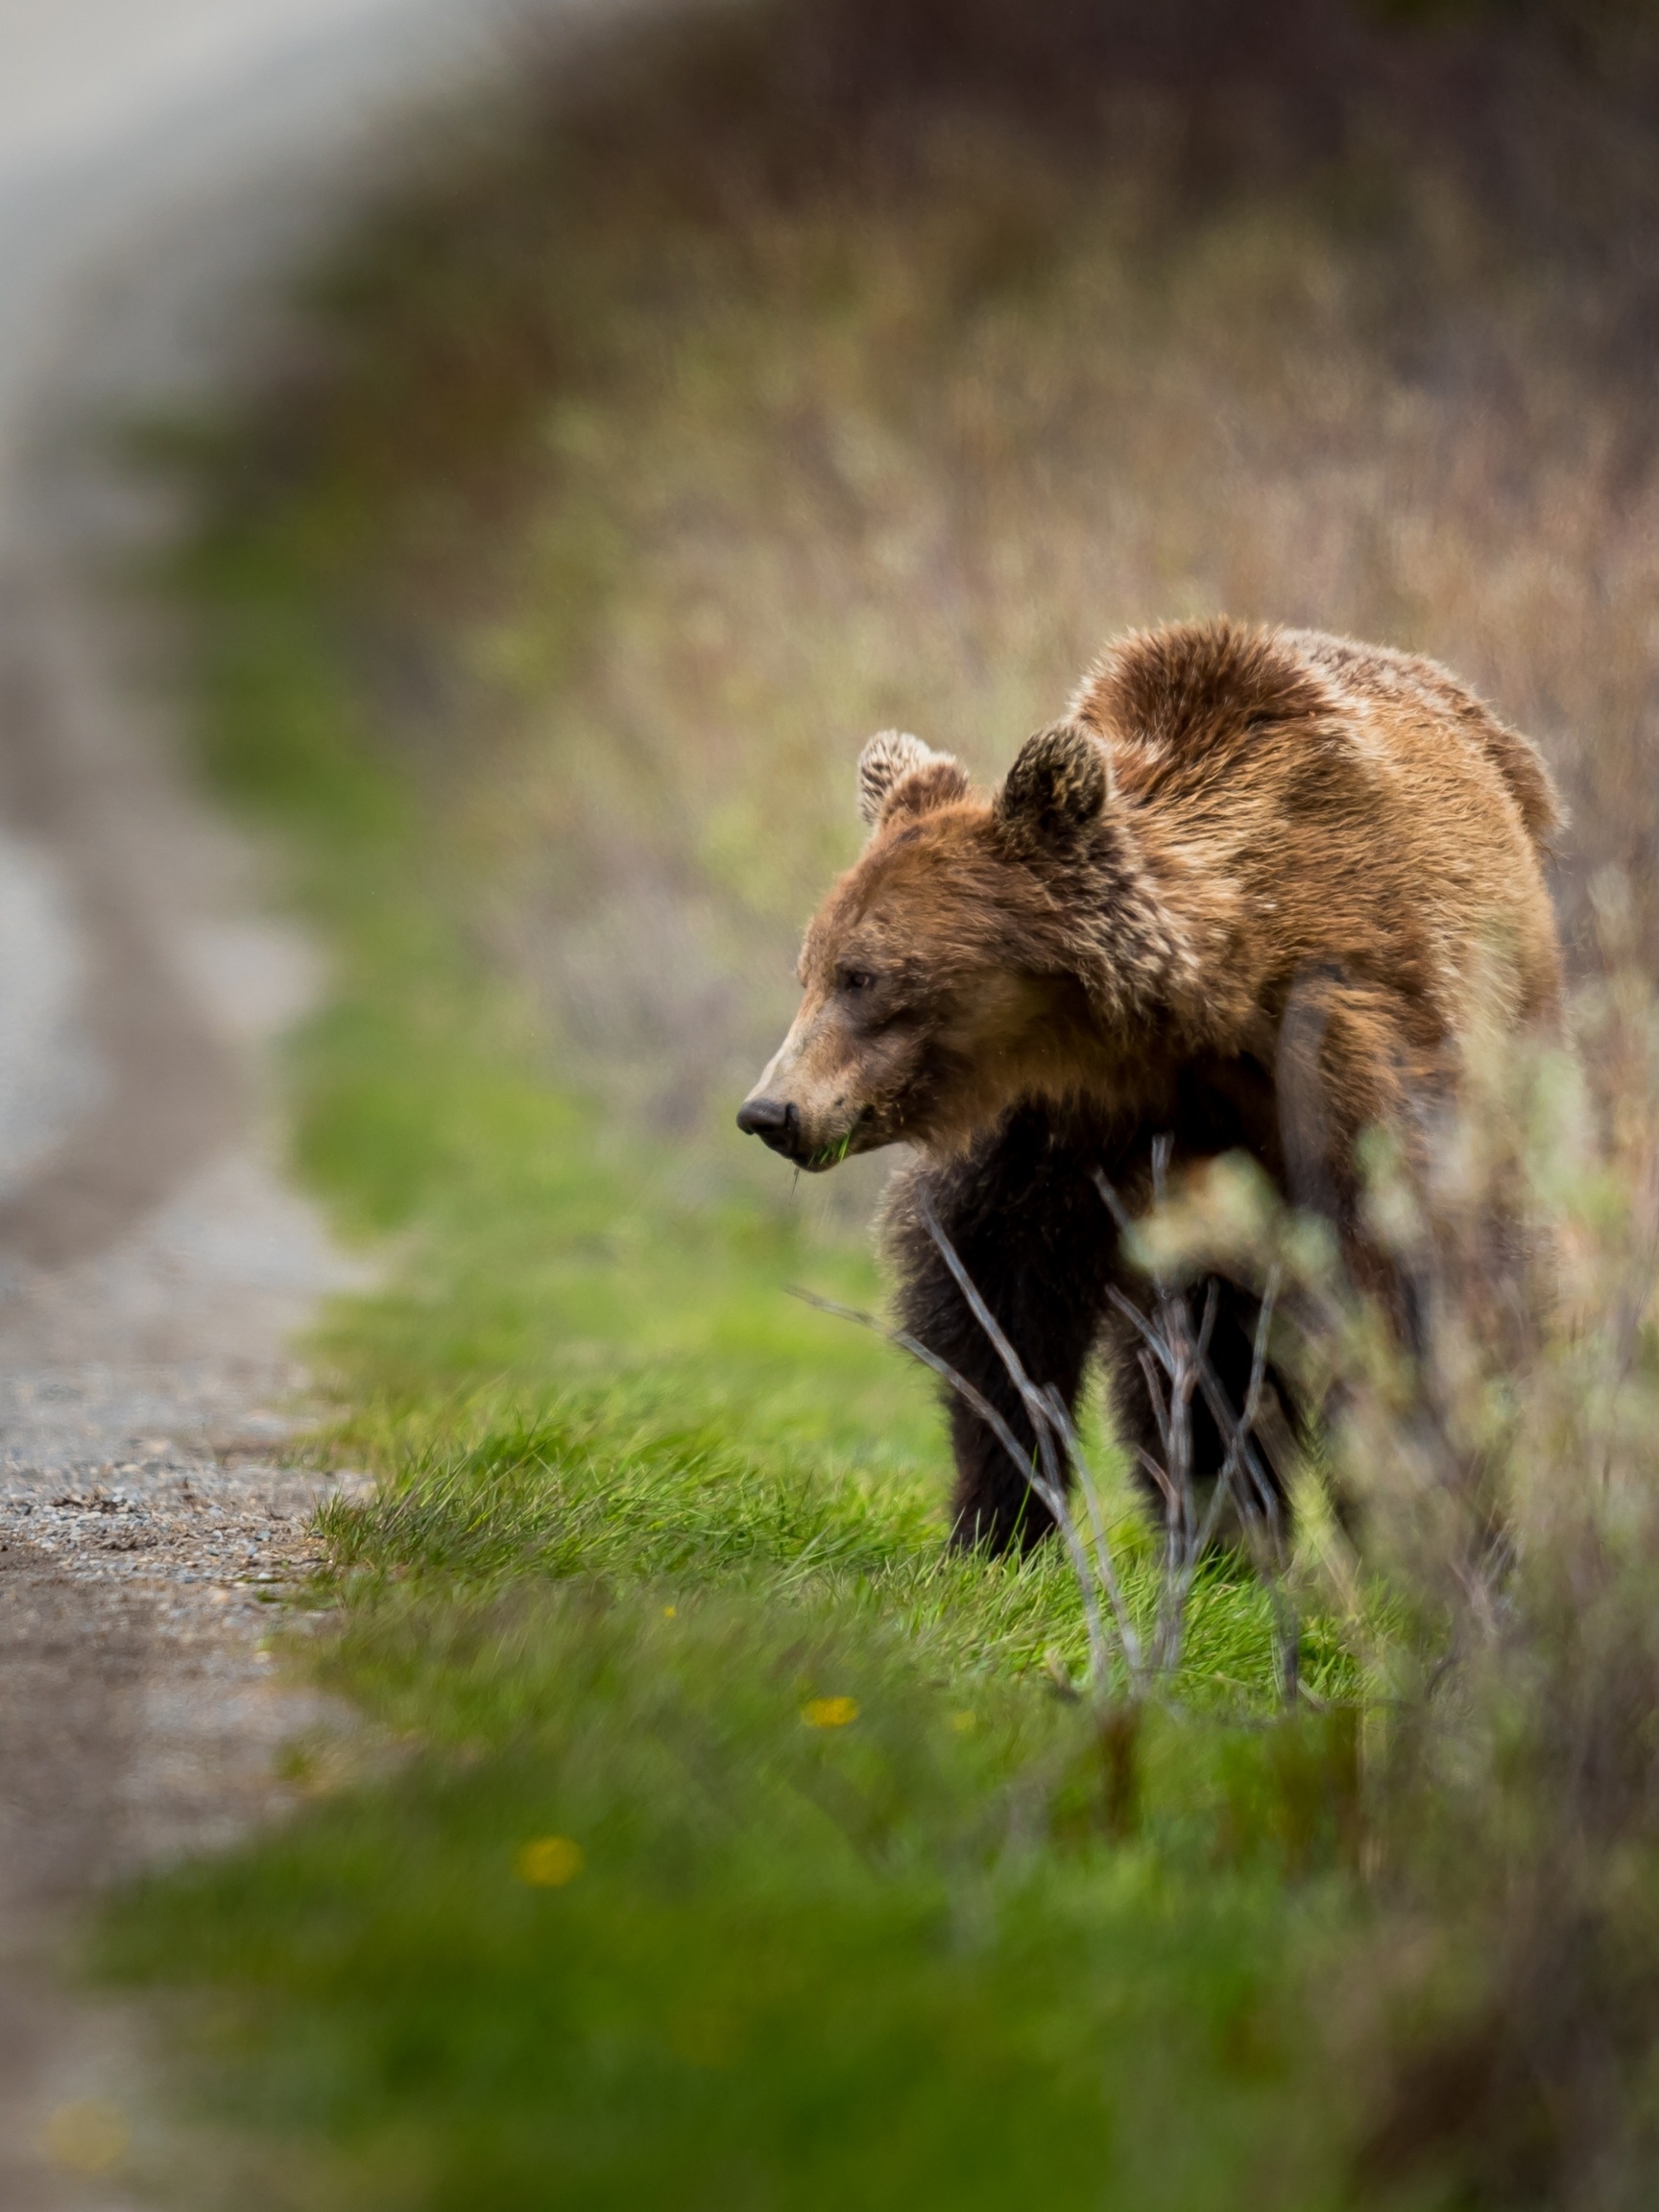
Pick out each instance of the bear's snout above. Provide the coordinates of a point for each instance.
(774, 1122)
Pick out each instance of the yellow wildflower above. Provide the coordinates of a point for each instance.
(830, 1712)
(88, 2137)
(550, 1861)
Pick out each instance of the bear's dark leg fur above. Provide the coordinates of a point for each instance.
(1029, 1224)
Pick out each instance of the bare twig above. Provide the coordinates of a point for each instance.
(1055, 1446)
(1177, 1363)
(1105, 1564)
(905, 1342)
(1048, 1492)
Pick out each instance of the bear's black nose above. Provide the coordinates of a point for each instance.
(771, 1121)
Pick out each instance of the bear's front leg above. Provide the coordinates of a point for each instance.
(1026, 1221)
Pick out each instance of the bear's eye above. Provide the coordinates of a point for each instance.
(856, 979)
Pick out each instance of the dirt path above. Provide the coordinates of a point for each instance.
(153, 1269)
(154, 1264)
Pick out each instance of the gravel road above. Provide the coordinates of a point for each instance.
(158, 167)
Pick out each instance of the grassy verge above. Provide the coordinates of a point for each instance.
(742, 1849)
(644, 1522)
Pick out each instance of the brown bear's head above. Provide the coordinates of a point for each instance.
(979, 951)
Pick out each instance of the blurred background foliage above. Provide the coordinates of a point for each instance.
(765, 373)
(779, 372)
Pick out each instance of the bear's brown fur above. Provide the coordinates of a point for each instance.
(1229, 825)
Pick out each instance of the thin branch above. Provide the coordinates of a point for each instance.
(1132, 1313)
(1048, 1493)
(1174, 1358)
(1039, 1414)
(917, 1350)
(976, 1305)
(1167, 1344)
(1236, 1429)
(1207, 1328)
(1155, 1392)
(1155, 1468)
(1114, 1204)
(1105, 1565)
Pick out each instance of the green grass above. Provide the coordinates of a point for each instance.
(888, 1962)
(639, 1512)
(639, 1508)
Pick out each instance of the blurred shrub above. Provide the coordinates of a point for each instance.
(779, 372)
(1497, 1559)
(775, 371)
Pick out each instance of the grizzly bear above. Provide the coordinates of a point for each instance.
(1230, 827)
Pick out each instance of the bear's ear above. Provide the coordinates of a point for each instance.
(1055, 791)
(899, 771)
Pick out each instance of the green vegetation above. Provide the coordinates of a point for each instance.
(890, 1957)
(757, 386)
(640, 1511)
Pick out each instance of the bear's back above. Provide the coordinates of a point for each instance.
(1391, 678)
(1199, 693)
(1309, 799)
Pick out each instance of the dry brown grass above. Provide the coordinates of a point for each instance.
(828, 366)
(783, 379)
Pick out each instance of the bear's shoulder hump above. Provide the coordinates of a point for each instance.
(1192, 689)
